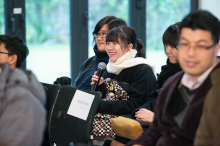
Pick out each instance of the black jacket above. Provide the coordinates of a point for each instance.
(166, 71)
(88, 68)
(141, 80)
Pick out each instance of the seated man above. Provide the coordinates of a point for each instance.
(12, 50)
(179, 105)
(22, 97)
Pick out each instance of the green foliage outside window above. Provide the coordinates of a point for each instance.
(160, 15)
(45, 19)
(2, 25)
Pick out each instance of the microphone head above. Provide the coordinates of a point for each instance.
(102, 65)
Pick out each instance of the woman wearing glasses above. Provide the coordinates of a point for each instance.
(88, 68)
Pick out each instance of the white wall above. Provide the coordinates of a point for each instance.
(212, 6)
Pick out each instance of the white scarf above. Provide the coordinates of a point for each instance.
(126, 61)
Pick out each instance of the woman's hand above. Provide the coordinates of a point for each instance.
(144, 115)
(95, 79)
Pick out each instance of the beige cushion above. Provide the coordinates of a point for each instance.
(126, 127)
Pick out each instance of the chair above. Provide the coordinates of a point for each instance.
(65, 129)
(51, 93)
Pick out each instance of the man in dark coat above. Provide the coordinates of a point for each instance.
(180, 102)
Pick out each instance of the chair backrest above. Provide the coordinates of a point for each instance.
(51, 93)
(65, 129)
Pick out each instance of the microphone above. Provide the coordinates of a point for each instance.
(101, 68)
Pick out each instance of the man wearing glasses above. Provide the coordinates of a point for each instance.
(180, 102)
(22, 97)
(12, 50)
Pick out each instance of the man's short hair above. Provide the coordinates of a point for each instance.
(203, 20)
(15, 45)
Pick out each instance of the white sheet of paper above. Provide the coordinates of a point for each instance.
(80, 104)
(17, 10)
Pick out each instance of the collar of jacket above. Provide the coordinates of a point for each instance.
(101, 56)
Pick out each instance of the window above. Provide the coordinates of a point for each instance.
(2, 20)
(47, 37)
(101, 8)
(160, 15)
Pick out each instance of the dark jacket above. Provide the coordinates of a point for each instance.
(164, 131)
(141, 81)
(166, 71)
(208, 132)
(88, 68)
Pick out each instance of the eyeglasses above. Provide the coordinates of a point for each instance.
(5, 53)
(185, 46)
(102, 34)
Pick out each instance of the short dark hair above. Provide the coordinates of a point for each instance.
(124, 36)
(202, 20)
(171, 35)
(116, 23)
(15, 45)
(102, 22)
